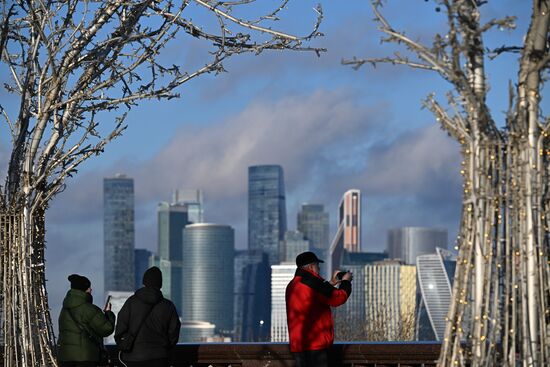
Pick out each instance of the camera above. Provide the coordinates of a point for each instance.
(341, 274)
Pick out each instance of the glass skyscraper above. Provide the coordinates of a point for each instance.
(407, 243)
(141, 260)
(118, 234)
(266, 209)
(348, 234)
(172, 218)
(313, 222)
(293, 245)
(208, 272)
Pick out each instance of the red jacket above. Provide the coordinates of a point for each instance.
(309, 318)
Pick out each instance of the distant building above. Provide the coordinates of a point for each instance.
(118, 234)
(313, 222)
(172, 218)
(435, 279)
(141, 261)
(266, 210)
(293, 244)
(390, 301)
(196, 331)
(208, 272)
(117, 301)
(348, 234)
(281, 275)
(252, 311)
(407, 243)
(353, 311)
(193, 199)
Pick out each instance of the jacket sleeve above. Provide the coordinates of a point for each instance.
(174, 326)
(102, 324)
(123, 321)
(339, 296)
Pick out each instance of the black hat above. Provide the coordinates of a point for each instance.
(306, 258)
(79, 282)
(153, 278)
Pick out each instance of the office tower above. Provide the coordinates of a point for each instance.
(348, 234)
(252, 312)
(266, 209)
(313, 222)
(193, 199)
(435, 278)
(117, 301)
(172, 218)
(208, 272)
(390, 300)
(281, 275)
(352, 313)
(407, 243)
(118, 233)
(141, 261)
(293, 244)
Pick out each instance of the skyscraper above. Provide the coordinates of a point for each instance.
(407, 243)
(281, 275)
(252, 296)
(348, 234)
(293, 244)
(172, 218)
(141, 261)
(208, 266)
(266, 209)
(390, 301)
(435, 278)
(193, 199)
(118, 233)
(313, 222)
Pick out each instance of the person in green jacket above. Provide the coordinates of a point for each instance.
(82, 326)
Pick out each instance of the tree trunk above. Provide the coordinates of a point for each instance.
(28, 334)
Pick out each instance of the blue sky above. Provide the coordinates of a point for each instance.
(330, 127)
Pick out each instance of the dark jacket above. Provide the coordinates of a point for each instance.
(160, 331)
(309, 318)
(74, 343)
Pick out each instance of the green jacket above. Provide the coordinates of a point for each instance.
(74, 343)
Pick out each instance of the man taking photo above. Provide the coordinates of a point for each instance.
(309, 317)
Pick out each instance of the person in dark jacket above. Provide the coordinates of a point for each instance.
(160, 324)
(82, 326)
(309, 317)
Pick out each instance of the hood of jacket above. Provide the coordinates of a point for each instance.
(75, 298)
(149, 295)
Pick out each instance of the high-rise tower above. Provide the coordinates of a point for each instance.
(118, 233)
(407, 243)
(266, 210)
(348, 234)
(313, 222)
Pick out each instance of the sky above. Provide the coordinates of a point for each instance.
(330, 127)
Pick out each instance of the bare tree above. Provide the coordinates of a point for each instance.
(75, 69)
(500, 314)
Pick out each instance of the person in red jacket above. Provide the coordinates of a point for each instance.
(308, 301)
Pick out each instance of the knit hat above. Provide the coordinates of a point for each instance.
(79, 282)
(153, 278)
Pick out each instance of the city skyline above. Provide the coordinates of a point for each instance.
(330, 127)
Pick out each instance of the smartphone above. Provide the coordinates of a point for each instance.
(108, 300)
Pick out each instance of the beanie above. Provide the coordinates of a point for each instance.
(79, 282)
(153, 278)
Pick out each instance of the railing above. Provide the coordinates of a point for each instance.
(278, 355)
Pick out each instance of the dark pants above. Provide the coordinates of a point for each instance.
(312, 358)
(77, 364)
(163, 362)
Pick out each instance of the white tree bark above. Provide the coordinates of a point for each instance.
(70, 62)
(500, 313)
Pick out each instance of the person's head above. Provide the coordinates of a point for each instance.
(309, 261)
(80, 282)
(153, 278)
